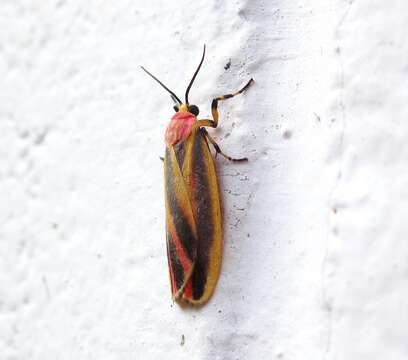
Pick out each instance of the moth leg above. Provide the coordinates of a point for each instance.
(214, 106)
(217, 148)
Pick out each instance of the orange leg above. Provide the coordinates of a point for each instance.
(214, 106)
(218, 150)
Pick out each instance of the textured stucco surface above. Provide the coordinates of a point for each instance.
(315, 233)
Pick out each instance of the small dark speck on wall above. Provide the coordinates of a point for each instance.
(227, 65)
(287, 134)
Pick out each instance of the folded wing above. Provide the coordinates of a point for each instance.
(193, 217)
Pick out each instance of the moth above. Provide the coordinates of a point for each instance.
(192, 199)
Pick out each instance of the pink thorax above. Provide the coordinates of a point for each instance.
(179, 127)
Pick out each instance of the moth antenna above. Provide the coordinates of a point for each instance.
(173, 95)
(195, 74)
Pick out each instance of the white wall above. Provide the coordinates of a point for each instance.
(315, 232)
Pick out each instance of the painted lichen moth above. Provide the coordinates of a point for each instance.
(193, 212)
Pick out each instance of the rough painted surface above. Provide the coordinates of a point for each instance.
(315, 239)
(366, 269)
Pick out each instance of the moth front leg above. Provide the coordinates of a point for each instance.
(214, 106)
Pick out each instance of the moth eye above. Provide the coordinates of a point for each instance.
(194, 110)
(175, 107)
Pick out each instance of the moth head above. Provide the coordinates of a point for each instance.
(193, 109)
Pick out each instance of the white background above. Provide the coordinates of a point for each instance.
(315, 243)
